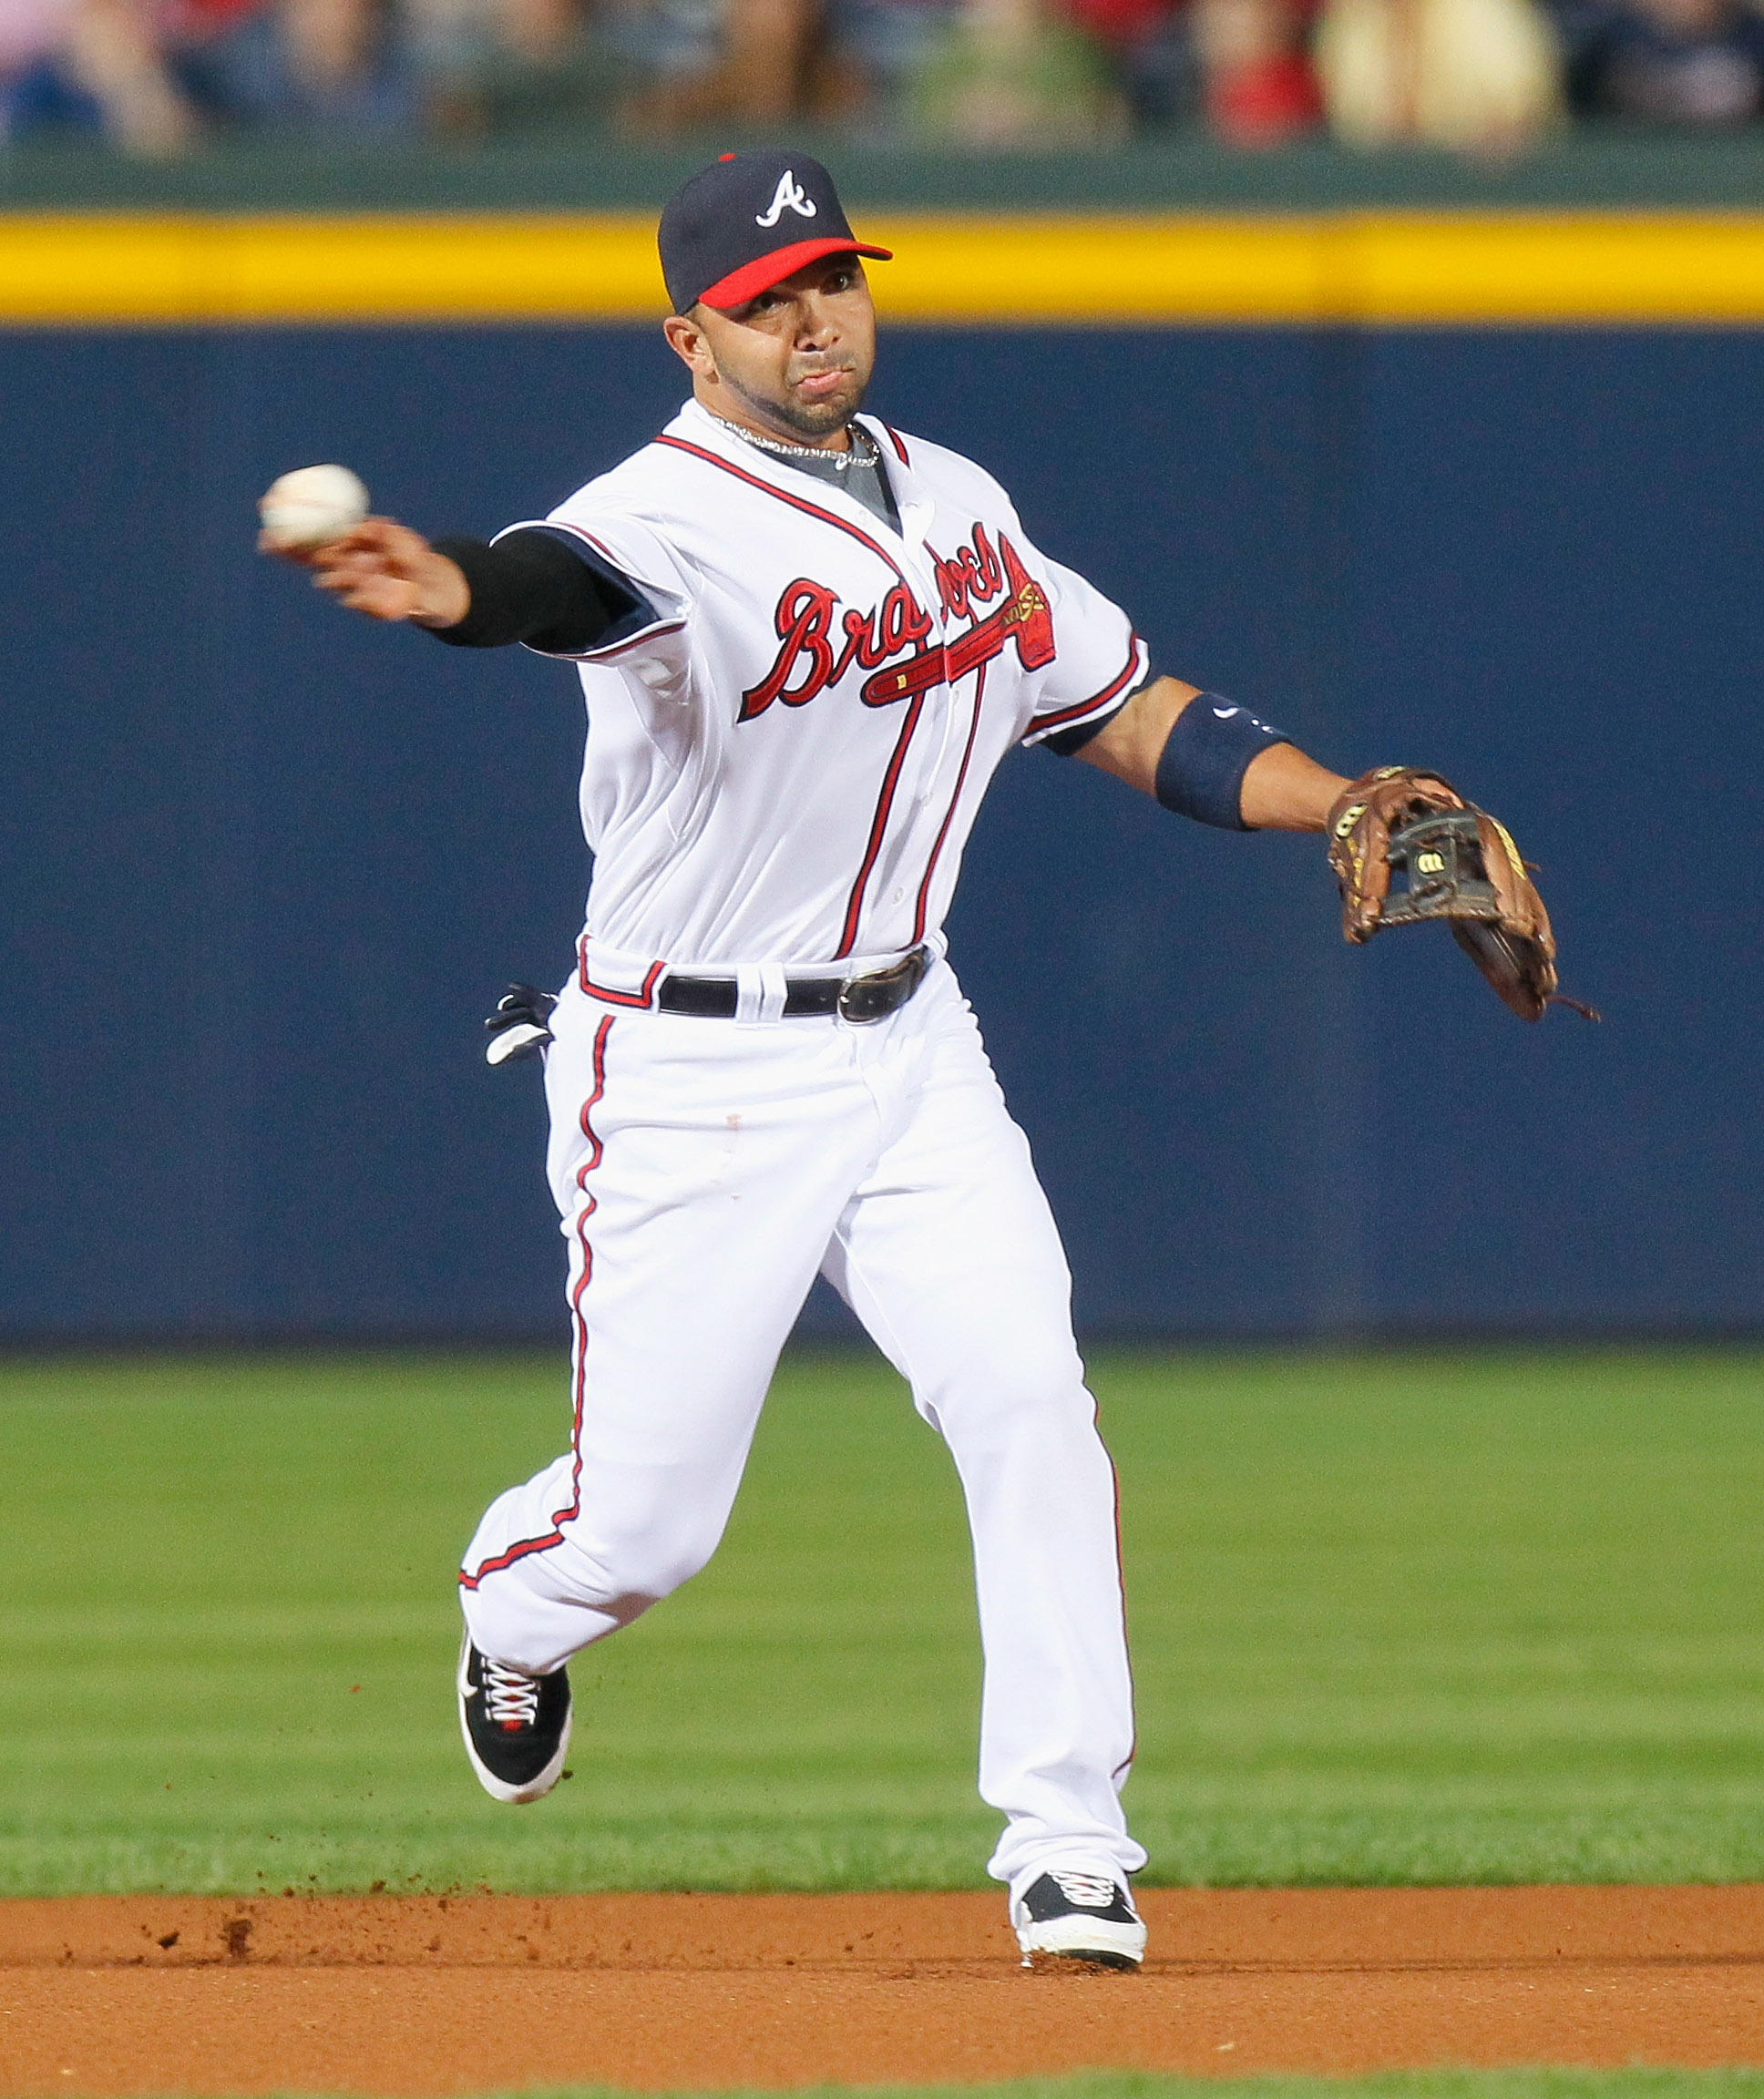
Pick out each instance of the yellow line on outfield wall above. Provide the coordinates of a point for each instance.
(1376, 267)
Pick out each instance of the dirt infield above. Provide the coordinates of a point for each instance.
(429, 1995)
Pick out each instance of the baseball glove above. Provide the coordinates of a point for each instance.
(1457, 863)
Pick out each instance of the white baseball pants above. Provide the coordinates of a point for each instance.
(705, 1170)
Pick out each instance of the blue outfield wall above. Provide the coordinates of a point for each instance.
(265, 868)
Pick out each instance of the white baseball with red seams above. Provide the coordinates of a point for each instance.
(312, 506)
(782, 769)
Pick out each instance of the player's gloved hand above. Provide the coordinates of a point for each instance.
(1458, 864)
(517, 1026)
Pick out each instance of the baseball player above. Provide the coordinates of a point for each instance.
(805, 641)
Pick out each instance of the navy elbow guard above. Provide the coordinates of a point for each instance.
(1209, 750)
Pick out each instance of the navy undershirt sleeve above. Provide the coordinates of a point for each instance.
(1068, 743)
(537, 587)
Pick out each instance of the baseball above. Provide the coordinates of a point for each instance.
(312, 506)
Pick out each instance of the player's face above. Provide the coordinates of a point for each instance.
(795, 361)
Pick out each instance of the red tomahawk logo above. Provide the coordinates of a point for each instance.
(1024, 618)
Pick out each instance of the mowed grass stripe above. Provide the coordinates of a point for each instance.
(1420, 1617)
(1542, 2082)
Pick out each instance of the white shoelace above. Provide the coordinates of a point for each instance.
(509, 1698)
(1088, 1890)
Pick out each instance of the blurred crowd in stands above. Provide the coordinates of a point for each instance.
(1483, 77)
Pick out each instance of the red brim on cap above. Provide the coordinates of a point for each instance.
(752, 277)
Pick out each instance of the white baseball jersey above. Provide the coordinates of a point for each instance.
(785, 764)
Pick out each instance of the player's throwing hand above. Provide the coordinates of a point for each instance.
(384, 569)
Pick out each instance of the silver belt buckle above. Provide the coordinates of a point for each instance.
(910, 969)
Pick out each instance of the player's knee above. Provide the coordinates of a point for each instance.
(1000, 1396)
(648, 1564)
(642, 1530)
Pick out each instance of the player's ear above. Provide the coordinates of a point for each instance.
(688, 341)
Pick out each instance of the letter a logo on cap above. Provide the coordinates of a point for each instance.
(789, 196)
(719, 246)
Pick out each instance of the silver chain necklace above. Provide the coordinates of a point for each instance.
(841, 460)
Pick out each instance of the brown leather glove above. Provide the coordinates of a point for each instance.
(1458, 864)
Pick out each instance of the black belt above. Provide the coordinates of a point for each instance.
(856, 999)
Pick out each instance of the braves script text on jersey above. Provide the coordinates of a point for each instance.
(784, 757)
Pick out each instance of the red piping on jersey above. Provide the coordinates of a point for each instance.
(950, 815)
(644, 996)
(894, 439)
(795, 502)
(1045, 724)
(880, 824)
(572, 1508)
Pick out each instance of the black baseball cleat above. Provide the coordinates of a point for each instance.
(517, 1728)
(1079, 1916)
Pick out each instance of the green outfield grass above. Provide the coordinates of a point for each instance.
(1426, 1617)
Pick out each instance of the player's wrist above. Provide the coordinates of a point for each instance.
(1290, 792)
(1202, 769)
(443, 595)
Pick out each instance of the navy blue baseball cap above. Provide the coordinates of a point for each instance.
(745, 223)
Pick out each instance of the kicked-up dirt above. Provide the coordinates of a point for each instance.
(425, 1995)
